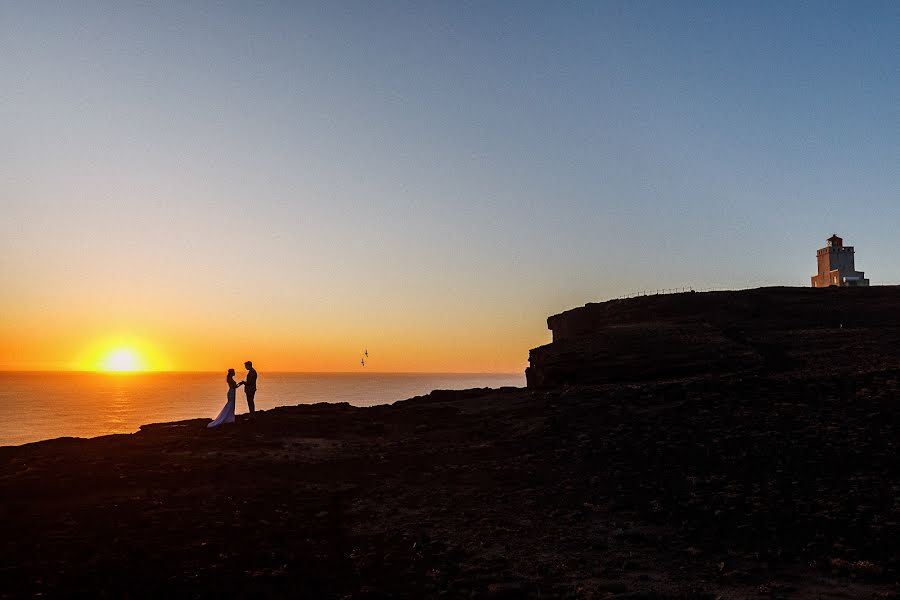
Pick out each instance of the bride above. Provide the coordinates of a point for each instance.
(227, 414)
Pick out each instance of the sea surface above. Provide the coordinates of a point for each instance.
(41, 405)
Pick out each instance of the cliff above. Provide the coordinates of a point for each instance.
(760, 331)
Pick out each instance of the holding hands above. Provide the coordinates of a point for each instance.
(241, 383)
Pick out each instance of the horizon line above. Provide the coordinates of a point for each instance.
(145, 372)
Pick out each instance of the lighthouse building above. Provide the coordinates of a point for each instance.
(836, 266)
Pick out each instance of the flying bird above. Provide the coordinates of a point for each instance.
(366, 353)
(362, 362)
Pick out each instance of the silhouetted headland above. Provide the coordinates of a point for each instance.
(733, 444)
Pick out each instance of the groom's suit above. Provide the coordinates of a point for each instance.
(250, 388)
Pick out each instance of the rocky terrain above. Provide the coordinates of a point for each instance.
(764, 479)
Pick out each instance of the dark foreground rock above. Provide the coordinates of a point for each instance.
(754, 454)
(706, 488)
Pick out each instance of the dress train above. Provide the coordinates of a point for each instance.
(227, 414)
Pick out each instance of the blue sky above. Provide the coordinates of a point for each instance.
(437, 169)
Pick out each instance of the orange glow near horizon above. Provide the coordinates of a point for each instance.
(180, 340)
(27, 346)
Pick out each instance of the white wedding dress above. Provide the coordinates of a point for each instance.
(227, 414)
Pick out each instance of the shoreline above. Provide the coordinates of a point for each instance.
(37, 407)
(188, 423)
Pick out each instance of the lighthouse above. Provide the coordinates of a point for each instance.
(836, 268)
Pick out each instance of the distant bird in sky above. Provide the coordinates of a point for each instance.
(366, 352)
(362, 362)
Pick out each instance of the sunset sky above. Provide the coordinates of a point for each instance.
(293, 184)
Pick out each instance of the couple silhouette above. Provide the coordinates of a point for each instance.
(249, 383)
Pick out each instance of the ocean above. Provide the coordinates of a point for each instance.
(41, 405)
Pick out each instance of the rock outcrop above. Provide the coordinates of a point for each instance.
(695, 334)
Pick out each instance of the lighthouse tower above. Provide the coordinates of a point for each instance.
(836, 267)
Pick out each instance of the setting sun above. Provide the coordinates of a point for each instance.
(122, 360)
(121, 354)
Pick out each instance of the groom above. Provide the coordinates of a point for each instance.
(250, 385)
